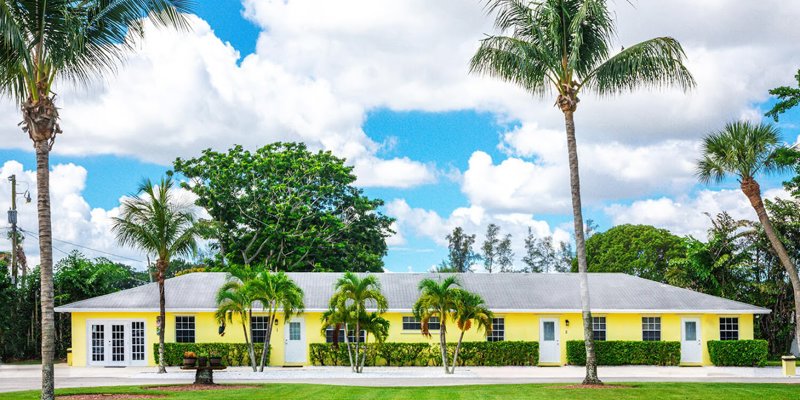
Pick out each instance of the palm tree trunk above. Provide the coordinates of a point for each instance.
(752, 190)
(357, 336)
(267, 339)
(580, 244)
(251, 345)
(347, 345)
(162, 314)
(46, 267)
(364, 357)
(455, 354)
(443, 344)
(247, 340)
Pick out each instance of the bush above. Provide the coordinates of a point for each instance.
(738, 353)
(626, 352)
(231, 353)
(424, 354)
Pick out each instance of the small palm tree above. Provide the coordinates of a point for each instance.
(234, 300)
(744, 150)
(337, 318)
(47, 42)
(437, 299)
(565, 46)
(275, 290)
(372, 324)
(155, 222)
(470, 309)
(352, 297)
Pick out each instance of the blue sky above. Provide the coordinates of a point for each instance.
(442, 148)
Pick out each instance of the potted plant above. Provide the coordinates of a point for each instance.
(215, 359)
(189, 359)
(202, 359)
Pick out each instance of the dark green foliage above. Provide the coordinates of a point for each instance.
(621, 352)
(427, 354)
(640, 250)
(461, 255)
(738, 353)
(788, 98)
(288, 208)
(233, 354)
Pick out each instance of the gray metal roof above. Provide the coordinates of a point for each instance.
(503, 292)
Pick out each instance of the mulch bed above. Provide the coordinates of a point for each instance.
(109, 396)
(593, 387)
(187, 388)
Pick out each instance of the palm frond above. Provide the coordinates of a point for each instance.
(741, 148)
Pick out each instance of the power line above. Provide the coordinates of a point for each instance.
(83, 247)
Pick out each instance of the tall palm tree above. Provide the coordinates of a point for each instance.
(744, 150)
(157, 223)
(352, 297)
(47, 42)
(564, 46)
(470, 309)
(437, 299)
(234, 300)
(275, 290)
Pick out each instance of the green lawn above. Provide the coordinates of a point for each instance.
(706, 391)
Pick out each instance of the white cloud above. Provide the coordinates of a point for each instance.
(686, 215)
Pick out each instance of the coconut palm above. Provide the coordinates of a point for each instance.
(437, 299)
(156, 222)
(47, 42)
(275, 291)
(470, 309)
(234, 300)
(352, 297)
(744, 150)
(565, 46)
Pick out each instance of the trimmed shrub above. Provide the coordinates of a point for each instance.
(231, 353)
(424, 354)
(619, 352)
(738, 353)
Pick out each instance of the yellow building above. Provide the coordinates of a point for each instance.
(119, 329)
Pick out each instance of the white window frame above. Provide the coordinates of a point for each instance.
(600, 324)
(194, 327)
(495, 336)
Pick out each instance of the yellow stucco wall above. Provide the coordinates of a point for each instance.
(518, 326)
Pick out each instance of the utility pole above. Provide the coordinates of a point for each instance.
(12, 219)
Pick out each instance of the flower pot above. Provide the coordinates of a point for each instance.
(215, 361)
(202, 361)
(189, 361)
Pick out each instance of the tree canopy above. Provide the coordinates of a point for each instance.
(287, 208)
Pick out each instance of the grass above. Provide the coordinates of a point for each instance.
(706, 391)
(777, 363)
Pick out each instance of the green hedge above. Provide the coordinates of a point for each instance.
(424, 354)
(232, 353)
(738, 353)
(626, 352)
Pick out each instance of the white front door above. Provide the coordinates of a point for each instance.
(295, 341)
(549, 347)
(116, 343)
(691, 344)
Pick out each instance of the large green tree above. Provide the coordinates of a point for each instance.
(565, 46)
(158, 223)
(640, 250)
(461, 253)
(745, 150)
(44, 43)
(288, 208)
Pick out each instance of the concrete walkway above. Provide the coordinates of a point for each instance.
(26, 377)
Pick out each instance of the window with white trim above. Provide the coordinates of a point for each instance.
(411, 323)
(599, 328)
(729, 328)
(184, 329)
(651, 328)
(259, 325)
(351, 337)
(498, 333)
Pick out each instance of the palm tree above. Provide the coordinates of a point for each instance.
(275, 290)
(352, 297)
(564, 45)
(233, 299)
(437, 299)
(470, 308)
(155, 222)
(371, 323)
(46, 42)
(337, 317)
(744, 149)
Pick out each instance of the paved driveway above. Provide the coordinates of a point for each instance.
(26, 377)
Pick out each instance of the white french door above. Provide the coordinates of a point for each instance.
(116, 343)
